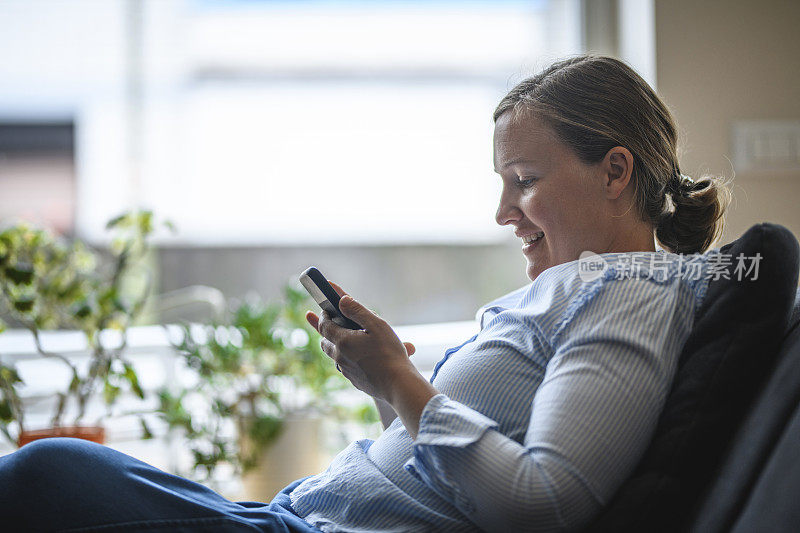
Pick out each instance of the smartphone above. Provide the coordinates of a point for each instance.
(326, 296)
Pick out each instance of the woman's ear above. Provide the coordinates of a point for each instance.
(617, 171)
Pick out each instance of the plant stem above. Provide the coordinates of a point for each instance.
(45, 353)
(4, 429)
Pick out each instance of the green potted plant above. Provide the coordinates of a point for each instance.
(48, 283)
(257, 377)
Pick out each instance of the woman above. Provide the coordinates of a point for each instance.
(533, 423)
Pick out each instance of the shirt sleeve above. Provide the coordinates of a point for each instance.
(591, 419)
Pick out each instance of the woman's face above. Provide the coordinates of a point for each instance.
(548, 192)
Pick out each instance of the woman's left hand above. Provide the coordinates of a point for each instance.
(372, 358)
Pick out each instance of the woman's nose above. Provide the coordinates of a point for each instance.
(507, 211)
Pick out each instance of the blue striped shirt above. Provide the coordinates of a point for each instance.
(540, 416)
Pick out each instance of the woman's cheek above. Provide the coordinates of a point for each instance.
(532, 205)
(539, 212)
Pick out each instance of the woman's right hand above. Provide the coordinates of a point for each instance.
(410, 348)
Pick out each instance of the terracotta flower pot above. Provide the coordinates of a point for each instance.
(93, 433)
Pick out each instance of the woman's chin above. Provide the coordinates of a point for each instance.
(538, 265)
(533, 270)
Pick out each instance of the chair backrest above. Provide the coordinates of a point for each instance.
(756, 489)
(195, 303)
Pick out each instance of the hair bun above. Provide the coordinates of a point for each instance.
(681, 184)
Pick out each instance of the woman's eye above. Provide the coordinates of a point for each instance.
(525, 182)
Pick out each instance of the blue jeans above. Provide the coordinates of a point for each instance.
(65, 484)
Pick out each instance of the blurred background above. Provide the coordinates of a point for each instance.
(356, 136)
(351, 135)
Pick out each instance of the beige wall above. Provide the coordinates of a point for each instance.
(719, 61)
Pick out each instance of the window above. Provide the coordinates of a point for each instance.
(277, 122)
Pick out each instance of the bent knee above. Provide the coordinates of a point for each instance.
(47, 459)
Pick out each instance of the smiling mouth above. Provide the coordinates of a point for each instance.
(529, 240)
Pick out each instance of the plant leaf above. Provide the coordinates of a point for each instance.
(265, 429)
(133, 379)
(6, 414)
(116, 221)
(146, 433)
(110, 392)
(19, 274)
(24, 304)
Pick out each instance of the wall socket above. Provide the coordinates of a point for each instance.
(765, 145)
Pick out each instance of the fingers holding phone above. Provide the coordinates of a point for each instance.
(328, 295)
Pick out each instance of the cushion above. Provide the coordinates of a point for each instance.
(724, 363)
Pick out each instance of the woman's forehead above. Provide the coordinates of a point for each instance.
(524, 138)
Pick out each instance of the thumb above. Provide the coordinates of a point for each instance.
(410, 348)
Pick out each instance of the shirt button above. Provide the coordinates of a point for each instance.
(413, 471)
